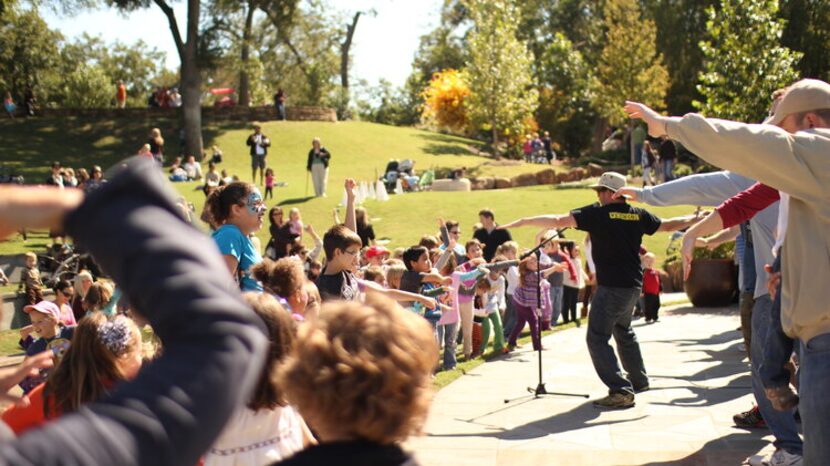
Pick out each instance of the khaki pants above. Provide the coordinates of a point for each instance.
(319, 176)
(466, 311)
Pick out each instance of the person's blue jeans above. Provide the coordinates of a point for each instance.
(555, 304)
(610, 315)
(814, 377)
(450, 332)
(780, 423)
(638, 154)
(668, 169)
(778, 348)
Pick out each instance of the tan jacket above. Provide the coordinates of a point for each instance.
(797, 164)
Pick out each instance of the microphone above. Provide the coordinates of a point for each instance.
(501, 265)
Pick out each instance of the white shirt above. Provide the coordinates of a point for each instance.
(512, 279)
(257, 438)
(783, 212)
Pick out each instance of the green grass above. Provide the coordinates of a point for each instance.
(359, 150)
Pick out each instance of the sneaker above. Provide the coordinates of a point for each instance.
(782, 398)
(750, 419)
(780, 458)
(615, 401)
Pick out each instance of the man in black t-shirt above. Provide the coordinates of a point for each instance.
(490, 236)
(617, 231)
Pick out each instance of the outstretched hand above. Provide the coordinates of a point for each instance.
(631, 193)
(687, 253)
(11, 376)
(656, 123)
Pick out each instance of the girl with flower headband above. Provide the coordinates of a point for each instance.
(103, 352)
(236, 211)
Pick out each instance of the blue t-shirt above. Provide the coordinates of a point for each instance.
(57, 344)
(232, 242)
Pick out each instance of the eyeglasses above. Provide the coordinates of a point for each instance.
(352, 253)
(67, 293)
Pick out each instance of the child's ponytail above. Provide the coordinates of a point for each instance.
(218, 204)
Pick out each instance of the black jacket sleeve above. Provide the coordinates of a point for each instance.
(213, 343)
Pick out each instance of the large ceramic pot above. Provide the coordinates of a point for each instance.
(712, 282)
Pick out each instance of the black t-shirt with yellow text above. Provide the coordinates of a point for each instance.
(616, 235)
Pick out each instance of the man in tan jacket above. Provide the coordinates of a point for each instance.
(793, 157)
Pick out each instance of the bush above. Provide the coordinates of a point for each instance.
(636, 171)
(681, 170)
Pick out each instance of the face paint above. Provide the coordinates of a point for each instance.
(254, 203)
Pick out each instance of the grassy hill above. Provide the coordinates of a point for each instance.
(359, 150)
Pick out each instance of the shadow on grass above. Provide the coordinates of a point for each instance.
(296, 200)
(447, 149)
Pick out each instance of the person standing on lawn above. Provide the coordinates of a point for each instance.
(490, 236)
(616, 230)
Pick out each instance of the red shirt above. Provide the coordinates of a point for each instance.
(744, 205)
(651, 282)
(20, 419)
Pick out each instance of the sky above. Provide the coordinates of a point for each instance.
(383, 46)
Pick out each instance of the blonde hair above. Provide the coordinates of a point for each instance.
(155, 133)
(511, 246)
(393, 276)
(30, 255)
(99, 294)
(362, 370)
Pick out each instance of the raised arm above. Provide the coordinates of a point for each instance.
(175, 277)
(398, 295)
(351, 223)
(543, 221)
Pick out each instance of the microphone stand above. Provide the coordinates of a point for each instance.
(540, 389)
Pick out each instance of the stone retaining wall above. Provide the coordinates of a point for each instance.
(261, 113)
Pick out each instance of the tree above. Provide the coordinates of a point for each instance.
(744, 62)
(190, 50)
(445, 100)
(499, 70)
(565, 95)
(681, 25)
(88, 86)
(808, 31)
(345, 48)
(28, 52)
(629, 66)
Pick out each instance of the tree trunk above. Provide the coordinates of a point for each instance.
(344, 58)
(495, 140)
(600, 126)
(192, 84)
(244, 79)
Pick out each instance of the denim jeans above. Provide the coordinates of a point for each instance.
(814, 403)
(610, 315)
(555, 304)
(509, 316)
(450, 332)
(780, 423)
(777, 350)
(668, 168)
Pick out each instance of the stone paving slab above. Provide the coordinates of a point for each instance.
(699, 379)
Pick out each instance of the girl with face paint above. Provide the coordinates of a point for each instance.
(236, 211)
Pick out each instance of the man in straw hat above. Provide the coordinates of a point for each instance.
(617, 230)
(789, 153)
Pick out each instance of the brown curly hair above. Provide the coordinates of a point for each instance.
(281, 334)
(362, 370)
(283, 277)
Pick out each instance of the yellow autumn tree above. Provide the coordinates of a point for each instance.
(444, 100)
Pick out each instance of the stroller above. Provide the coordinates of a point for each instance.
(402, 171)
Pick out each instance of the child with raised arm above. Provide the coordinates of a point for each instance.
(526, 301)
(342, 246)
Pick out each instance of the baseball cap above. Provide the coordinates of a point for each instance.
(803, 96)
(45, 307)
(375, 251)
(610, 180)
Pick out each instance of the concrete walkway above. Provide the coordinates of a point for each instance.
(699, 379)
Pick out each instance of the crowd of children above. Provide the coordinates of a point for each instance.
(447, 294)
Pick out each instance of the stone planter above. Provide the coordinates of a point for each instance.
(712, 282)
